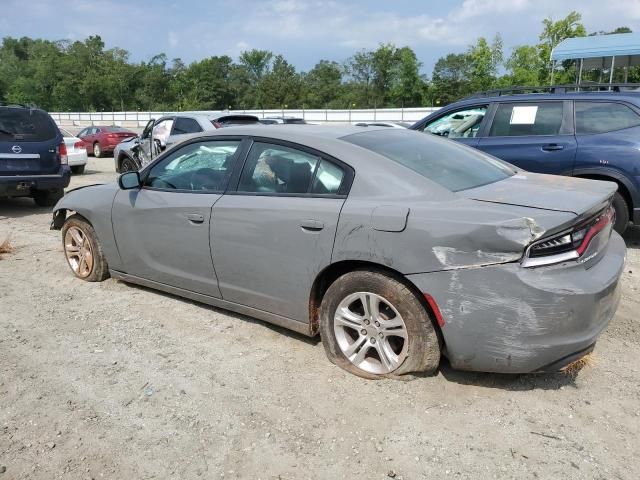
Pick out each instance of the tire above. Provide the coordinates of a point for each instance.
(127, 165)
(622, 213)
(97, 150)
(78, 239)
(77, 169)
(419, 350)
(48, 198)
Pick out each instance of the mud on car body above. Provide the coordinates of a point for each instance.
(394, 246)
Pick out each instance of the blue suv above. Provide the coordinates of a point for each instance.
(592, 135)
(33, 156)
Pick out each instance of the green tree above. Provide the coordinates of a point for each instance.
(279, 87)
(524, 66)
(553, 33)
(322, 85)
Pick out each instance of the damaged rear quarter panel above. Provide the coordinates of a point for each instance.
(448, 234)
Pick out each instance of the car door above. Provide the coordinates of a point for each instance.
(163, 229)
(275, 233)
(535, 136)
(461, 124)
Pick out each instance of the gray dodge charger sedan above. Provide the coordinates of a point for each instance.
(395, 246)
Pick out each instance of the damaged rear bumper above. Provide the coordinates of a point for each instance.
(509, 319)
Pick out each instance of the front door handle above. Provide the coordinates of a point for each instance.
(312, 225)
(551, 147)
(195, 218)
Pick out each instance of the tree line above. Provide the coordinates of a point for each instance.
(84, 76)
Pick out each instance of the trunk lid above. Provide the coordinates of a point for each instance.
(547, 192)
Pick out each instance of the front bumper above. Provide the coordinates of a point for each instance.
(26, 185)
(509, 319)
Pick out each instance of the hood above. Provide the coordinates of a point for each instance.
(547, 192)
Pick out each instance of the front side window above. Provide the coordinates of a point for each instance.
(277, 169)
(600, 117)
(459, 124)
(203, 166)
(527, 119)
(450, 164)
(184, 125)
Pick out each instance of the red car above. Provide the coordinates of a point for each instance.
(99, 140)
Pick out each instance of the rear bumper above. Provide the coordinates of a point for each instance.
(77, 158)
(509, 319)
(25, 185)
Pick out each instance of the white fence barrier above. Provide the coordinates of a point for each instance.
(139, 119)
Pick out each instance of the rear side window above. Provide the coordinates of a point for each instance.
(450, 164)
(26, 125)
(184, 125)
(277, 169)
(523, 119)
(600, 117)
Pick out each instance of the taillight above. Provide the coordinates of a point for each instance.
(217, 124)
(62, 151)
(78, 145)
(568, 245)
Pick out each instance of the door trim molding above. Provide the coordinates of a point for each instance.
(299, 327)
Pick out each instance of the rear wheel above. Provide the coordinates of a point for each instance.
(622, 213)
(77, 169)
(48, 198)
(97, 150)
(83, 250)
(373, 326)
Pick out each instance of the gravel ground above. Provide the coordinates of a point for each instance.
(110, 380)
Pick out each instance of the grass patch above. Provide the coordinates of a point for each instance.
(574, 367)
(5, 247)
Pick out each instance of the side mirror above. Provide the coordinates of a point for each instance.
(129, 180)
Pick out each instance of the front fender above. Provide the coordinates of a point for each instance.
(94, 203)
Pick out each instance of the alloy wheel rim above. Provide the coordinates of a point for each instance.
(370, 332)
(77, 249)
(96, 150)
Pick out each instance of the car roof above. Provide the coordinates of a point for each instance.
(295, 133)
(633, 97)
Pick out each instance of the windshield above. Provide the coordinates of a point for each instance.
(454, 166)
(26, 125)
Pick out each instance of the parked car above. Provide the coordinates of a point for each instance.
(453, 251)
(76, 152)
(282, 120)
(159, 134)
(384, 124)
(101, 140)
(592, 135)
(33, 155)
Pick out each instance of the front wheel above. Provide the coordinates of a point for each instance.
(622, 213)
(83, 250)
(128, 165)
(373, 325)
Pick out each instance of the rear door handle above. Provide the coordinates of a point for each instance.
(195, 218)
(552, 147)
(312, 225)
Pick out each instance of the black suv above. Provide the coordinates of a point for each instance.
(560, 130)
(33, 156)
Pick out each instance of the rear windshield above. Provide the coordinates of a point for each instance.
(239, 120)
(26, 125)
(454, 166)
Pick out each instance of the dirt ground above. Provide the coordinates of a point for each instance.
(114, 381)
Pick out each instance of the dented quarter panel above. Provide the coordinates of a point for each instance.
(94, 203)
(505, 318)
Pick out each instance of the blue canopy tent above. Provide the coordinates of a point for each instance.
(603, 52)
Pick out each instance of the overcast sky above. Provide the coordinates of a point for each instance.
(303, 31)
